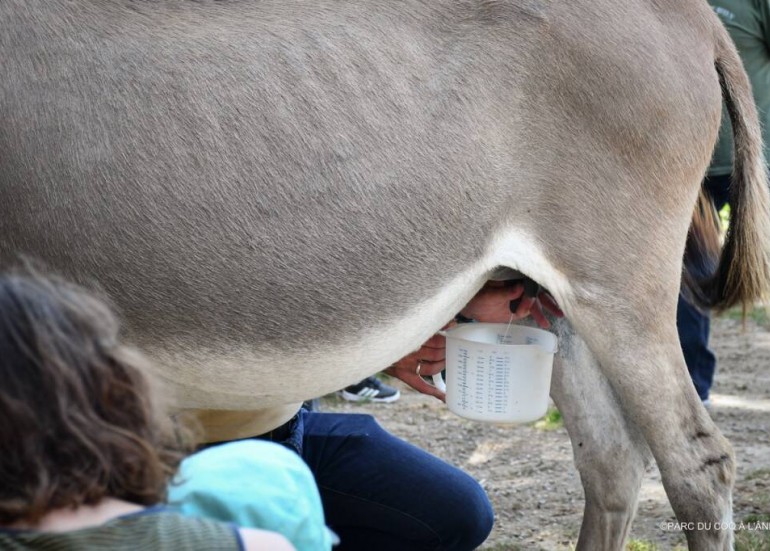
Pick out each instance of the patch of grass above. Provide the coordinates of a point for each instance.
(752, 541)
(761, 517)
(758, 474)
(641, 545)
(503, 547)
(724, 216)
(552, 420)
(752, 537)
(758, 314)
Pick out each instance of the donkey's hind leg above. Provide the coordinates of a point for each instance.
(610, 452)
(642, 359)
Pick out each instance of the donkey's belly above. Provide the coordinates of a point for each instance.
(234, 376)
(244, 376)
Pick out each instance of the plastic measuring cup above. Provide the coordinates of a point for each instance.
(498, 373)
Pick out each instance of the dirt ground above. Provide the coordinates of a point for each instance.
(529, 475)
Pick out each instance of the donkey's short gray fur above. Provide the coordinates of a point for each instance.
(285, 196)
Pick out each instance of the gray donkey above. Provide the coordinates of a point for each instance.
(284, 197)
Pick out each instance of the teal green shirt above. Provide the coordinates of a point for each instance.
(748, 22)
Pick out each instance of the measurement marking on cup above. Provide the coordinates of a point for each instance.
(494, 372)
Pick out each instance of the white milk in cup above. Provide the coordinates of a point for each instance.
(498, 373)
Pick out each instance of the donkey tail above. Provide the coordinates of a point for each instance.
(743, 273)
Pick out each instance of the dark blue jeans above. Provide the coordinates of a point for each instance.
(692, 323)
(382, 493)
(694, 326)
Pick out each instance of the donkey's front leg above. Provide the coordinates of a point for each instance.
(610, 452)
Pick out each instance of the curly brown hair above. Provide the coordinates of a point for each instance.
(79, 418)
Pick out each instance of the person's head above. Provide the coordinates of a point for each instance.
(77, 418)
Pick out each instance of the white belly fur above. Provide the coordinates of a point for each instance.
(246, 378)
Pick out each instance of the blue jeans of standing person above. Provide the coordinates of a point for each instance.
(694, 328)
(382, 493)
(694, 324)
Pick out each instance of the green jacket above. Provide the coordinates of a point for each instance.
(748, 22)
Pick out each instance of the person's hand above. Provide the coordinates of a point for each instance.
(429, 360)
(497, 302)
